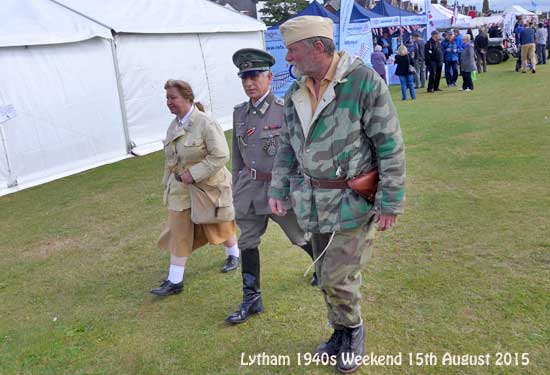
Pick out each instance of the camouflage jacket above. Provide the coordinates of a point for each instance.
(354, 129)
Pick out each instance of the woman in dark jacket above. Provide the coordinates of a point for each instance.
(405, 71)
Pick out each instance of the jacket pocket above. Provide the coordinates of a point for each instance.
(300, 194)
(353, 210)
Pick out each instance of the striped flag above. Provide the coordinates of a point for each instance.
(454, 18)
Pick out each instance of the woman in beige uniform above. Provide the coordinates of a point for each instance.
(196, 153)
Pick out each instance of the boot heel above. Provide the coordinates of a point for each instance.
(257, 308)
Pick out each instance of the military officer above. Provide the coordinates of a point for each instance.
(257, 124)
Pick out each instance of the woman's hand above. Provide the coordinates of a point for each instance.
(187, 178)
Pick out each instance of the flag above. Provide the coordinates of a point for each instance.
(346, 6)
(454, 18)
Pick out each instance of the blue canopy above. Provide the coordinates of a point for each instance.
(313, 9)
(388, 10)
(360, 13)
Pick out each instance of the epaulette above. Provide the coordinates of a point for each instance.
(239, 105)
(279, 101)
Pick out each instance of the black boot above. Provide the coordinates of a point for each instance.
(353, 348)
(333, 345)
(252, 298)
(308, 248)
(167, 288)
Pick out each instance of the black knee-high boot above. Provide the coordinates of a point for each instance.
(252, 298)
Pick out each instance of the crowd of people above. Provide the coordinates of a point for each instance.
(460, 54)
(533, 42)
(419, 61)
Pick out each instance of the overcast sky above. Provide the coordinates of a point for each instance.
(543, 5)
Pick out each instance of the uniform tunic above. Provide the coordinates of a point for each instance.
(256, 132)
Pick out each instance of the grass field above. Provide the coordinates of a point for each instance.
(466, 270)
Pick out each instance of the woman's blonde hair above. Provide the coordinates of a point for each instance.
(378, 48)
(466, 38)
(185, 91)
(402, 50)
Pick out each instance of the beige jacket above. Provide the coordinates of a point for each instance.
(200, 147)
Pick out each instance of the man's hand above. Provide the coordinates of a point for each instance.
(386, 221)
(277, 207)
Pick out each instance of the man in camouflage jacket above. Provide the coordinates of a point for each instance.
(340, 123)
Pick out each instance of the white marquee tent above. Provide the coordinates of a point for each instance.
(85, 96)
(519, 11)
(59, 79)
(192, 40)
(441, 17)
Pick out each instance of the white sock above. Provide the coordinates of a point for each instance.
(233, 250)
(175, 275)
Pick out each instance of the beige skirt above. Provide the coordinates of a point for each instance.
(181, 236)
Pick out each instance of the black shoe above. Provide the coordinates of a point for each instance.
(533, 71)
(351, 352)
(314, 280)
(231, 264)
(333, 345)
(248, 308)
(167, 288)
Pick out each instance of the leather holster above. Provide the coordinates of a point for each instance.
(365, 184)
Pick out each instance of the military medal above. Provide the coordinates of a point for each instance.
(250, 131)
(270, 147)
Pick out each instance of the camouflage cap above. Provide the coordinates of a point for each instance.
(251, 59)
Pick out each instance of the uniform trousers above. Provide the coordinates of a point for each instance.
(253, 227)
(339, 272)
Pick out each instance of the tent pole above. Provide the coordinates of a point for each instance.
(11, 181)
(121, 97)
(206, 74)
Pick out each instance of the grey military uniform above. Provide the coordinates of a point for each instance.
(256, 131)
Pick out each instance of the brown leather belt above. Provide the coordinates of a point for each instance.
(326, 183)
(258, 176)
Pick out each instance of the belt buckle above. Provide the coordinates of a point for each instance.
(253, 173)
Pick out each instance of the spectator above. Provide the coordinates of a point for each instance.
(467, 64)
(434, 61)
(527, 40)
(541, 37)
(385, 42)
(419, 61)
(450, 53)
(481, 43)
(405, 71)
(378, 61)
(458, 38)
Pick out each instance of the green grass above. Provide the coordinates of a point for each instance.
(466, 270)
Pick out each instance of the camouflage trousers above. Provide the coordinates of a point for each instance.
(339, 271)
